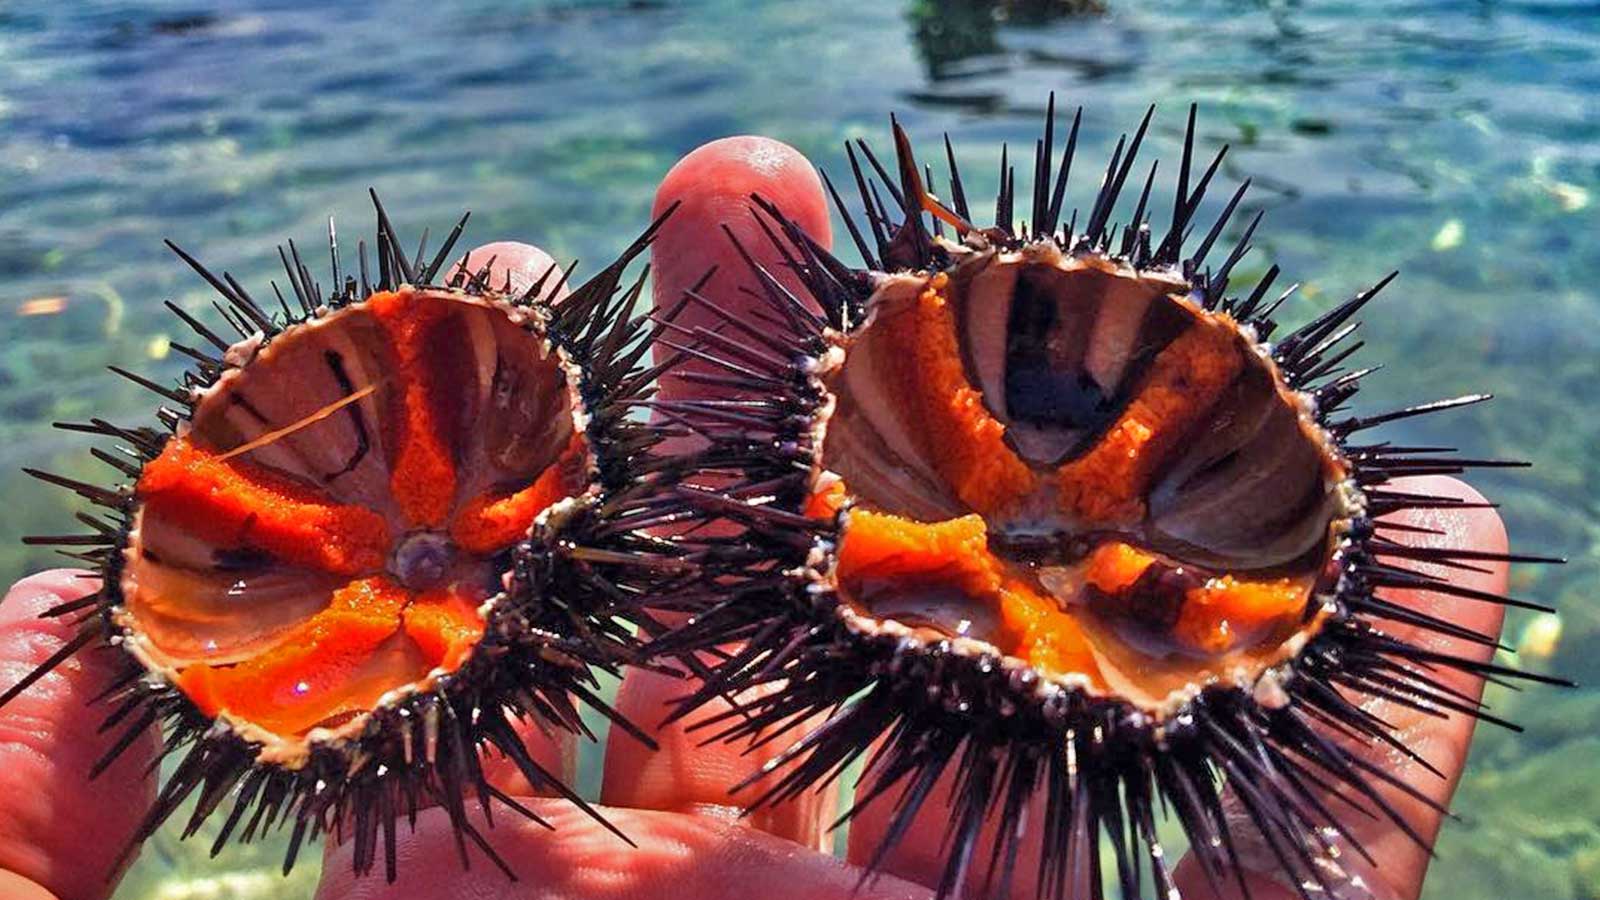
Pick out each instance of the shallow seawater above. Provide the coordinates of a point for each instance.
(1456, 141)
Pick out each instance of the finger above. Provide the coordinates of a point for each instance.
(1400, 862)
(57, 829)
(1443, 742)
(713, 186)
(513, 267)
(554, 750)
(690, 776)
(677, 858)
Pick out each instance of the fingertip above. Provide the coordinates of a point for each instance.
(514, 267)
(734, 168)
(1476, 521)
(713, 186)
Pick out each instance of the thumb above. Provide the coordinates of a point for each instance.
(60, 834)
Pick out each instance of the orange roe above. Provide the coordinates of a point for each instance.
(1114, 567)
(372, 638)
(1106, 486)
(1228, 613)
(883, 555)
(888, 553)
(446, 626)
(487, 524)
(253, 508)
(422, 474)
(313, 673)
(966, 442)
(1224, 614)
(826, 503)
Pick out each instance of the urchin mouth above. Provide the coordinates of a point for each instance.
(422, 560)
(426, 560)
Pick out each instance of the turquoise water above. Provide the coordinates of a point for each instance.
(1456, 141)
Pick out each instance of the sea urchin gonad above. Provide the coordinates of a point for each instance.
(1043, 509)
(377, 534)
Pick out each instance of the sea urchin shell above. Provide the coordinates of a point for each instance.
(377, 534)
(1045, 509)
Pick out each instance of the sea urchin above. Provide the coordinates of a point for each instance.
(1041, 507)
(376, 535)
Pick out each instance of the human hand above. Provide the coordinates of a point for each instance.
(61, 833)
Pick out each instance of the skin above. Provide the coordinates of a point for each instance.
(60, 834)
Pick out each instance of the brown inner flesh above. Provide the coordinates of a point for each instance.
(1072, 464)
(330, 526)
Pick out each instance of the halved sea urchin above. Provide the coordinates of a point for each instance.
(375, 535)
(1044, 508)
